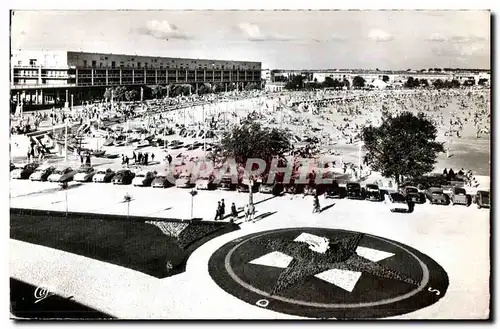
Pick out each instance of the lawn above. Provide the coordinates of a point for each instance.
(128, 243)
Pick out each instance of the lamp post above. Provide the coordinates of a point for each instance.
(193, 193)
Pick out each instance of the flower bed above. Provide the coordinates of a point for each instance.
(197, 231)
(172, 229)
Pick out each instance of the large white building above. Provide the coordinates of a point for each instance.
(40, 77)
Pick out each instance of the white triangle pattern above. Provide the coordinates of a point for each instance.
(274, 259)
(342, 278)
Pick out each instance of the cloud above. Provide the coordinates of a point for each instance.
(253, 33)
(436, 37)
(467, 38)
(337, 38)
(379, 35)
(162, 30)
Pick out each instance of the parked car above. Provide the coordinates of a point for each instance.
(372, 192)
(482, 199)
(274, 189)
(12, 166)
(123, 177)
(162, 180)
(184, 181)
(396, 202)
(410, 193)
(205, 183)
(42, 173)
(333, 190)
(143, 178)
(353, 191)
(459, 196)
(23, 171)
(103, 176)
(226, 184)
(84, 174)
(435, 195)
(61, 175)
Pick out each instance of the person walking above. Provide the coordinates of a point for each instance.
(152, 157)
(134, 156)
(247, 212)
(234, 213)
(223, 209)
(217, 212)
(316, 206)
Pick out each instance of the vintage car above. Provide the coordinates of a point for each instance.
(227, 184)
(372, 192)
(244, 186)
(162, 180)
(459, 196)
(435, 195)
(143, 178)
(410, 193)
(61, 175)
(42, 173)
(482, 199)
(333, 190)
(396, 202)
(123, 177)
(184, 181)
(274, 188)
(23, 171)
(103, 176)
(353, 191)
(84, 174)
(205, 182)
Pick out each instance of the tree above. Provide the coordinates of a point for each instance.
(157, 91)
(358, 82)
(252, 140)
(403, 146)
(296, 82)
(385, 78)
(438, 84)
(131, 95)
(204, 89)
(482, 81)
(251, 86)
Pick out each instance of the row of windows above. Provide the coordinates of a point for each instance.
(146, 65)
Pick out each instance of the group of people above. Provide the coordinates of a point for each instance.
(248, 210)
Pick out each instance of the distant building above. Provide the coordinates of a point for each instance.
(274, 86)
(49, 77)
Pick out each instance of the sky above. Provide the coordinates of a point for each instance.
(387, 40)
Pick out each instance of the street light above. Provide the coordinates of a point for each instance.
(193, 193)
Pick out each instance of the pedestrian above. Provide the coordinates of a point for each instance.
(234, 213)
(223, 209)
(127, 160)
(152, 157)
(134, 156)
(81, 159)
(217, 212)
(251, 212)
(247, 212)
(146, 158)
(316, 206)
(88, 159)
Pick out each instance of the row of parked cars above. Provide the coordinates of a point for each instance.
(407, 196)
(401, 200)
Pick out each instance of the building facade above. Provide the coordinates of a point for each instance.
(46, 77)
